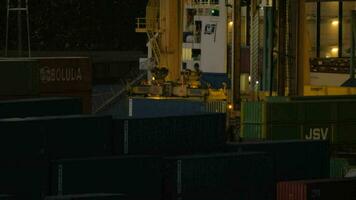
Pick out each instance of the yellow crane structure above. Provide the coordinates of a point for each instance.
(162, 25)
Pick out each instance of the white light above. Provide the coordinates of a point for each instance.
(231, 23)
(335, 22)
(257, 82)
(335, 50)
(249, 78)
(153, 78)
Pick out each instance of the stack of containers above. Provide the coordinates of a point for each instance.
(28, 144)
(172, 135)
(331, 120)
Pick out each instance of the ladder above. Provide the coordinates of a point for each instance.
(19, 9)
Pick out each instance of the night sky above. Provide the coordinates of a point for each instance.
(72, 25)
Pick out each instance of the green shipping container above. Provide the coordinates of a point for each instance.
(228, 176)
(56, 137)
(89, 197)
(338, 167)
(25, 179)
(170, 135)
(40, 107)
(293, 159)
(140, 177)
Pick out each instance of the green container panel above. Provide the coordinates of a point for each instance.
(78, 136)
(253, 131)
(283, 132)
(21, 139)
(338, 167)
(40, 107)
(21, 78)
(89, 197)
(252, 112)
(139, 177)
(271, 131)
(346, 111)
(284, 112)
(25, 179)
(322, 98)
(56, 137)
(293, 159)
(319, 111)
(219, 176)
(169, 135)
(7, 197)
(345, 134)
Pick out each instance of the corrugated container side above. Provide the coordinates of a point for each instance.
(56, 137)
(86, 99)
(328, 189)
(293, 160)
(139, 177)
(21, 139)
(319, 111)
(295, 191)
(25, 179)
(252, 112)
(338, 167)
(169, 135)
(219, 176)
(7, 197)
(19, 77)
(283, 112)
(40, 107)
(89, 197)
(78, 136)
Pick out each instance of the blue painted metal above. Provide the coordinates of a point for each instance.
(216, 80)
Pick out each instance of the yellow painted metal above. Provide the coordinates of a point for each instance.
(170, 43)
(328, 90)
(163, 25)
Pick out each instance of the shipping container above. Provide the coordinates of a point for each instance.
(25, 179)
(88, 197)
(341, 135)
(293, 160)
(40, 107)
(20, 77)
(139, 177)
(228, 176)
(34, 76)
(338, 167)
(170, 135)
(86, 98)
(309, 120)
(7, 197)
(64, 74)
(329, 189)
(342, 167)
(161, 106)
(56, 137)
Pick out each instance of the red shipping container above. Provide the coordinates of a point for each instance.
(328, 189)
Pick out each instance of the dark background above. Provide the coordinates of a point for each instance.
(78, 25)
